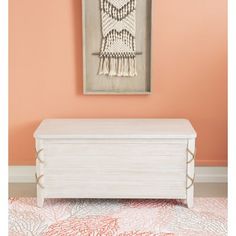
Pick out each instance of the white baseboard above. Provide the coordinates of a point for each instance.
(21, 174)
(210, 174)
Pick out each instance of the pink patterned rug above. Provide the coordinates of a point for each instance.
(117, 217)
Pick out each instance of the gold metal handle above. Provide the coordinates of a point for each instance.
(38, 180)
(192, 154)
(37, 155)
(192, 181)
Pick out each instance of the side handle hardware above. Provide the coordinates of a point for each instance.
(192, 154)
(38, 181)
(192, 181)
(38, 157)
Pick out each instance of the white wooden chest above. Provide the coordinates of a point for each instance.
(115, 158)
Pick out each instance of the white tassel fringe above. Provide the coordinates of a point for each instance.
(117, 67)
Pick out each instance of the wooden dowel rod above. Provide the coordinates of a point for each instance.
(97, 53)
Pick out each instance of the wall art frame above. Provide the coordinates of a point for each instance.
(95, 84)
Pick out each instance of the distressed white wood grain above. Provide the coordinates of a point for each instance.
(120, 149)
(190, 172)
(115, 128)
(40, 172)
(106, 158)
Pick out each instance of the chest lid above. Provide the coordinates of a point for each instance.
(114, 128)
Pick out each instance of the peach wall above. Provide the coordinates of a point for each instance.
(189, 72)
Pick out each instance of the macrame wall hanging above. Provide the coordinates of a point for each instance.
(118, 49)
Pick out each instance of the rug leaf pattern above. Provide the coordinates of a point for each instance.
(86, 217)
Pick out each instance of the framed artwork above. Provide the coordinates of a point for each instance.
(117, 46)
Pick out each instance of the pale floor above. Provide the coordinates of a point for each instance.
(201, 190)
